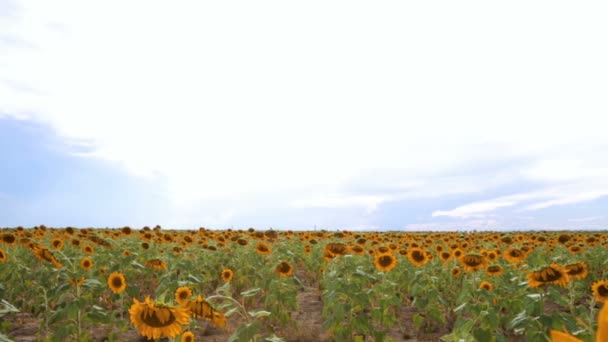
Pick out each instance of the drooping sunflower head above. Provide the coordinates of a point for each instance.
(577, 271)
(284, 269)
(486, 285)
(473, 262)
(200, 308)
(86, 263)
(336, 248)
(263, 249)
(117, 282)
(494, 270)
(219, 319)
(153, 320)
(385, 262)
(156, 264)
(182, 295)
(417, 256)
(600, 291)
(553, 274)
(188, 336)
(227, 275)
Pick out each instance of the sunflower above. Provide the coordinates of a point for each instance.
(332, 250)
(445, 256)
(553, 274)
(577, 271)
(156, 264)
(219, 319)
(473, 262)
(486, 285)
(514, 255)
(154, 320)
(263, 249)
(358, 250)
(57, 244)
(494, 270)
(417, 257)
(200, 308)
(600, 290)
(227, 275)
(43, 254)
(385, 262)
(188, 336)
(182, 295)
(284, 269)
(117, 282)
(456, 271)
(77, 282)
(8, 239)
(88, 249)
(86, 263)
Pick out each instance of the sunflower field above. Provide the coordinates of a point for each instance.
(86, 284)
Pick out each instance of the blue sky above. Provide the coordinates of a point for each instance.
(336, 115)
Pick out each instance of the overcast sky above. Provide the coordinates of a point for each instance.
(296, 115)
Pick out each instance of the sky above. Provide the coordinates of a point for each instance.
(392, 115)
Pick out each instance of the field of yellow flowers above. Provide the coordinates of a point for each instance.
(72, 284)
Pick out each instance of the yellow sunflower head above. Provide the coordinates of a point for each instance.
(88, 249)
(188, 336)
(456, 271)
(417, 256)
(156, 264)
(577, 271)
(219, 319)
(473, 262)
(284, 269)
(385, 262)
(553, 274)
(600, 290)
(182, 295)
(57, 244)
(8, 239)
(117, 282)
(227, 275)
(263, 249)
(154, 321)
(200, 308)
(486, 285)
(494, 270)
(86, 263)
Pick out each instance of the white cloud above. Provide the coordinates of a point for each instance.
(474, 209)
(266, 98)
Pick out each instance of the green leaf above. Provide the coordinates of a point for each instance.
(260, 313)
(251, 292)
(245, 333)
(194, 279)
